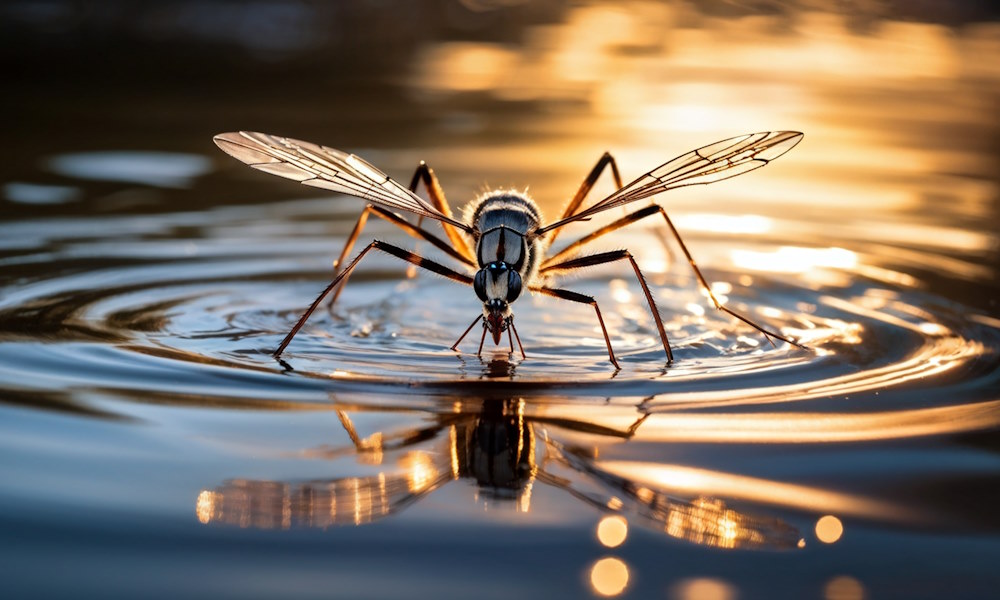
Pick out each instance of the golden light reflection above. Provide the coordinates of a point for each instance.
(453, 452)
(933, 329)
(721, 288)
(620, 291)
(829, 529)
(794, 259)
(281, 505)
(688, 481)
(843, 587)
(465, 67)
(205, 506)
(695, 309)
(718, 223)
(703, 588)
(709, 522)
(793, 427)
(612, 531)
(659, 72)
(728, 529)
(653, 264)
(609, 576)
(524, 501)
(720, 426)
(420, 470)
(373, 453)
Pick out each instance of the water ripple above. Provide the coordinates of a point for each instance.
(209, 310)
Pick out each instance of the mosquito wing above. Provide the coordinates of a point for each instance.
(327, 168)
(708, 164)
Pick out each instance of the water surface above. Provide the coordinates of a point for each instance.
(152, 447)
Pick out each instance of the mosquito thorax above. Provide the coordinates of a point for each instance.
(504, 222)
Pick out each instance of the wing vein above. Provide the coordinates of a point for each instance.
(327, 168)
(715, 162)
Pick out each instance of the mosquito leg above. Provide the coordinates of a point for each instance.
(718, 305)
(642, 214)
(348, 425)
(518, 338)
(481, 340)
(622, 222)
(351, 239)
(466, 332)
(411, 271)
(388, 249)
(414, 230)
(607, 257)
(582, 299)
(588, 183)
(436, 193)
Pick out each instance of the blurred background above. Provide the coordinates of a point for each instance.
(888, 93)
(145, 276)
(898, 99)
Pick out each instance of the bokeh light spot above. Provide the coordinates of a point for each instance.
(612, 531)
(609, 576)
(829, 529)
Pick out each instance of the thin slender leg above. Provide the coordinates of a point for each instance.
(642, 214)
(588, 183)
(414, 230)
(388, 249)
(466, 332)
(481, 340)
(348, 425)
(436, 193)
(518, 338)
(625, 221)
(606, 257)
(459, 247)
(582, 299)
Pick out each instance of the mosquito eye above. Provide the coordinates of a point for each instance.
(513, 285)
(479, 284)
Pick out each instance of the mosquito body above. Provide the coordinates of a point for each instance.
(503, 238)
(507, 254)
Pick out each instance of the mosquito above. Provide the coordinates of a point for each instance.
(503, 240)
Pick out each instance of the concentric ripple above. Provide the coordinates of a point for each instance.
(207, 309)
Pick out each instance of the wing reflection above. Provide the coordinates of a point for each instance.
(704, 520)
(506, 451)
(348, 501)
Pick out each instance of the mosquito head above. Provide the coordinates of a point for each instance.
(497, 285)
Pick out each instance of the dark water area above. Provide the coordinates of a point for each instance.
(151, 447)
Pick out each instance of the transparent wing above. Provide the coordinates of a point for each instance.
(708, 164)
(327, 168)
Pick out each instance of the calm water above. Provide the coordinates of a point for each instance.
(151, 447)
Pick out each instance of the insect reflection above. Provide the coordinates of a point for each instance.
(505, 451)
(502, 238)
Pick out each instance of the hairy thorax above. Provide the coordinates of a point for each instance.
(505, 221)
